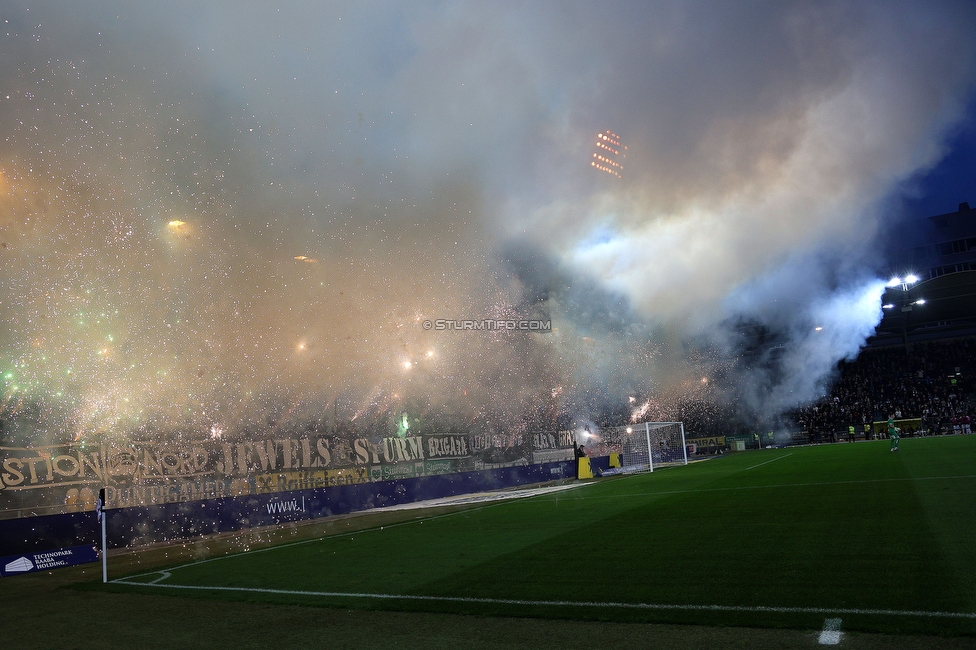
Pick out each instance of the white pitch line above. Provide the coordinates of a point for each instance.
(482, 497)
(831, 633)
(563, 603)
(768, 462)
(782, 485)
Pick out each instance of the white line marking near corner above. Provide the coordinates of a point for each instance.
(562, 603)
(164, 575)
(831, 633)
(768, 462)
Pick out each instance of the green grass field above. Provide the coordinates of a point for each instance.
(774, 538)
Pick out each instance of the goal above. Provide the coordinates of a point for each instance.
(649, 445)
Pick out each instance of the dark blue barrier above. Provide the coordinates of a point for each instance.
(599, 464)
(32, 534)
(174, 521)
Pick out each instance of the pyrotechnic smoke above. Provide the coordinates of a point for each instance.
(236, 217)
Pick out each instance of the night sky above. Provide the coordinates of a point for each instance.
(229, 218)
(950, 181)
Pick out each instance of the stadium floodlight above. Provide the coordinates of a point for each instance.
(903, 300)
(610, 153)
(904, 283)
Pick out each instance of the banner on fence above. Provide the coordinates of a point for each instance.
(65, 478)
(715, 442)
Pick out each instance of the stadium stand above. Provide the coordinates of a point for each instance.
(927, 381)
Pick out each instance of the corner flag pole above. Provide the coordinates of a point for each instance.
(100, 507)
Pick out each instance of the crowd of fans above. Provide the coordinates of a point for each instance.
(930, 382)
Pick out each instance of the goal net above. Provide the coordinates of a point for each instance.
(649, 445)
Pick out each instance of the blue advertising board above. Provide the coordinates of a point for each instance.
(13, 565)
(135, 526)
(175, 521)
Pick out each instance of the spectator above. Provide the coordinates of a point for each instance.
(927, 382)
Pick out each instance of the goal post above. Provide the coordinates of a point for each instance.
(646, 446)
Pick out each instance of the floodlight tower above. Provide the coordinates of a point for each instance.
(609, 154)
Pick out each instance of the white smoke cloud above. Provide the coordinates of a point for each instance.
(434, 160)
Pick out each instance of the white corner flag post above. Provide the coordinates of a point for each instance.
(650, 454)
(684, 447)
(100, 507)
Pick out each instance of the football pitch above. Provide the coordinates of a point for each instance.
(785, 538)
